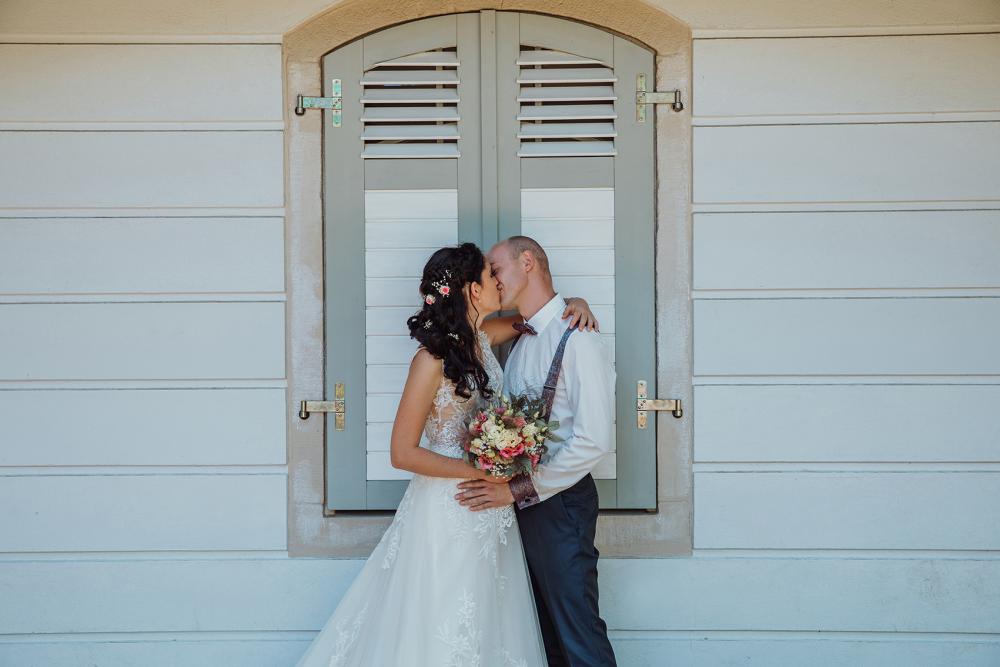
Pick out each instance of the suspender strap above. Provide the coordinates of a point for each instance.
(549, 391)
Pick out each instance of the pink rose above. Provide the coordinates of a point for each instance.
(485, 463)
(519, 422)
(501, 410)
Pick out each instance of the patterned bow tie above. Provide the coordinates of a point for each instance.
(525, 328)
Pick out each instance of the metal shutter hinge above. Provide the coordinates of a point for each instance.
(333, 103)
(643, 403)
(644, 97)
(337, 407)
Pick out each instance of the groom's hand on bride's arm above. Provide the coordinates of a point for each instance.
(480, 494)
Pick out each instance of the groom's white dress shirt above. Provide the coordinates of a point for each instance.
(583, 405)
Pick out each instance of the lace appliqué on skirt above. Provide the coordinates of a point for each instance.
(346, 636)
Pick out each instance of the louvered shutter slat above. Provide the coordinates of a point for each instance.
(568, 112)
(566, 130)
(409, 114)
(567, 94)
(403, 132)
(410, 96)
(546, 57)
(429, 59)
(412, 150)
(566, 149)
(568, 75)
(410, 77)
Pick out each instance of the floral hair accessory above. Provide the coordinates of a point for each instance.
(453, 335)
(429, 299)
(442, 285)
(427, 324)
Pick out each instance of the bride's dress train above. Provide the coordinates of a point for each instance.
(445, 587)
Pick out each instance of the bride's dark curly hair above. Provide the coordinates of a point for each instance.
(442, 325)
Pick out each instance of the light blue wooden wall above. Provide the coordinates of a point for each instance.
(847, 453)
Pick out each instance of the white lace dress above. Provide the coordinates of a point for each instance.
(445, 587)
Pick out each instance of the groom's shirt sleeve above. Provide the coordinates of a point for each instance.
(589, 382)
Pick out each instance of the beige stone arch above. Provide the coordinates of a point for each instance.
(668, 532)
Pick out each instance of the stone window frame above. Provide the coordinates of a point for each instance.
(621, 534)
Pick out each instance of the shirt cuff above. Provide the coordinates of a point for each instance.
(523, 491)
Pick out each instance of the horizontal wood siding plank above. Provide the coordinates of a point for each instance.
(552, 232)
(887, 249)
(845, 75)
(892, 422)
(140, 82)
(142, 512)
(413, 206)
(847, 163)
(637, 650)
(141, 169)
(431, 234)
(572, 203)
(170, 651)
(253, 594)
(846, 336)
(141, 255)
(131, 427)
(847, 510)
(117, 341)
(826, 651)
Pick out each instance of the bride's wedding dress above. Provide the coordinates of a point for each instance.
(445, 587)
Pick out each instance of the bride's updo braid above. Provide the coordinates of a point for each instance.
(442, 325)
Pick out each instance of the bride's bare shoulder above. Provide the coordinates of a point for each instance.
(425, 362)
(426, 367)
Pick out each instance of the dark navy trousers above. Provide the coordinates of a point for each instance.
(558, 536)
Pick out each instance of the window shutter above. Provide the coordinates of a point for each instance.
(578, 177)
(397, 173)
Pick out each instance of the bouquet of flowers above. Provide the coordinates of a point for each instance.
(509, 437)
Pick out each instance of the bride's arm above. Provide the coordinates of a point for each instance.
(418, 398)
(501, 329)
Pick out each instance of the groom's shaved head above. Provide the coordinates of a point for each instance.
(519, 244)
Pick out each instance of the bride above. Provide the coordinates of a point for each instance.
(445, 587)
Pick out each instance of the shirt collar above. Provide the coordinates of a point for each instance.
(546, 313)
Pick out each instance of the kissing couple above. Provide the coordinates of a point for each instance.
(475, 569)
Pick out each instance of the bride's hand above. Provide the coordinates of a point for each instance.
(581, 316)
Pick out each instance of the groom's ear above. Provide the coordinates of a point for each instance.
(527, 261)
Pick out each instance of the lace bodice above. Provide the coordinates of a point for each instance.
(446, 424)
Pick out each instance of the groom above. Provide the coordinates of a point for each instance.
(557, 506)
